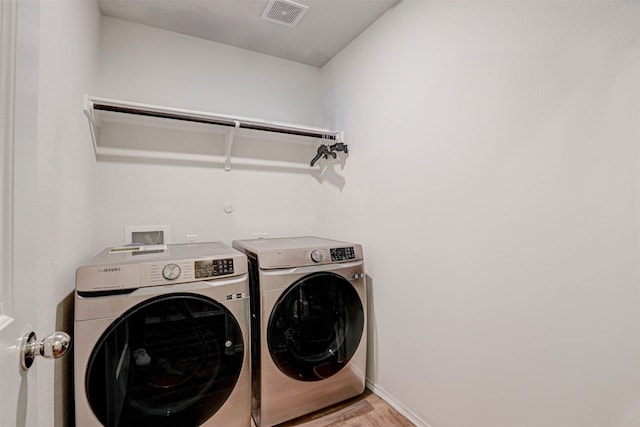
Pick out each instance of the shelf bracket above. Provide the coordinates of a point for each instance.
(93, 122)
(228, 144)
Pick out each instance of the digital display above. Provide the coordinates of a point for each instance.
(213, 268)
(342, 254)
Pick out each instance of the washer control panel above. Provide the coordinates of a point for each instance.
(180, 263)
(165, 273)
(342, 254)
(213, 268)
(185, 271)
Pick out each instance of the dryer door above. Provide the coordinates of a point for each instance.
(315, 327)
(169, 361)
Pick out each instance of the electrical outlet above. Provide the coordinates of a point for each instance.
(190, 238)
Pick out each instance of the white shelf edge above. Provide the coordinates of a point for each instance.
(214, 119)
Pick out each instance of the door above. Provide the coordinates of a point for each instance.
(315, 327)
(172, 360)
(19, 40)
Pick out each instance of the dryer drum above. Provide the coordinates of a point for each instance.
(315, 327)
(169, 361)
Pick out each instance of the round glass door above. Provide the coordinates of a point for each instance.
(315, 327)
(169, 361)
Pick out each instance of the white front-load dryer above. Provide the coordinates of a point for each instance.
(308, 344)
(162, 339)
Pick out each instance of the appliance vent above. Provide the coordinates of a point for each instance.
(284, 12)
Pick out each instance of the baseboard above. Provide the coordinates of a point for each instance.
(406, 412)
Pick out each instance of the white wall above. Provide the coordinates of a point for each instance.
(493, 181)
(65, 174)
(143, 64)
(493, 152)
(149, 65)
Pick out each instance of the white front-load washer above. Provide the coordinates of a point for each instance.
(162, 339)
(309, 322)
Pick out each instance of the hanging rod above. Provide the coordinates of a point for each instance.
(125, 107)
(215, 121)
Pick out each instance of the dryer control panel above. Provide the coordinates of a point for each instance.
(299, 251)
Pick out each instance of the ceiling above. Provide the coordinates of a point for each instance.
(326, 28)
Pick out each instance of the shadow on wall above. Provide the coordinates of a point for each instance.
(64, 408)
(185, 146)
(329, 174)
(372, 333)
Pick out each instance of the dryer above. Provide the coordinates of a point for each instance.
(309, 322)
(162, 339)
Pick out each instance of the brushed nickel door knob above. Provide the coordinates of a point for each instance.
(53, 346)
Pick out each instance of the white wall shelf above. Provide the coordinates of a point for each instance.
(99, 110)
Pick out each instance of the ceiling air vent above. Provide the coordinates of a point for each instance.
(284, 12)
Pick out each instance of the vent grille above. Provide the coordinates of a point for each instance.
(284, 12)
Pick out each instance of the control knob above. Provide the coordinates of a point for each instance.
(171, 271)
(316, 256)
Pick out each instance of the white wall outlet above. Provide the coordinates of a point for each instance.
(146, 234)
(190, 238)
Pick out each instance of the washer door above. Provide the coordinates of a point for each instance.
(169, 361)
(315, 327)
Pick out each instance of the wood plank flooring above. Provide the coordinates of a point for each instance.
(366, 410)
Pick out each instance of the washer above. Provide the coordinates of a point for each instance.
(309, 322)
(162, 339)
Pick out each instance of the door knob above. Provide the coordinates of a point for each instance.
(51, 347)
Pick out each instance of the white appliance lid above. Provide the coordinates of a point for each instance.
(287, 243)
(173, 252)
(299, 251)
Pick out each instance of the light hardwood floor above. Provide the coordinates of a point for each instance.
(366, 410)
